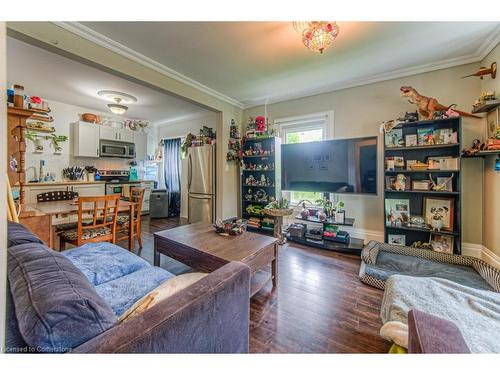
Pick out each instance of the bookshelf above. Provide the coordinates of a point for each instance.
(413, 202)
(261, 167)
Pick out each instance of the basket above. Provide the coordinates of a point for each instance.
(277, 211)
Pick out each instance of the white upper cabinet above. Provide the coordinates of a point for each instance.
(86, 139)
(115, 134)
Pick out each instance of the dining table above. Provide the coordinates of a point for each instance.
(38, 217)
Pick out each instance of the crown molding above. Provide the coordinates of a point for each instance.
(112, 45)
(85, 32)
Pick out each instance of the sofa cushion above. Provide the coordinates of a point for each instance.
(161, 292)
(123, 292)
(102, 262)
(56, 307)
(18, 234)
(14, 342)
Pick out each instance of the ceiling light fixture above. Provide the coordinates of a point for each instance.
(317, 35)
(119, 99)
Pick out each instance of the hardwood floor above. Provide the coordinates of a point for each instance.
(319, 306)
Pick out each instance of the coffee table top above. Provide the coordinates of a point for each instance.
(202, 237)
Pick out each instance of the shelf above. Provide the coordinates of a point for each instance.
(259, 156)
(259, 186)
(257, 202)
(41, 118)
(349, 222)
(257, 170)
(429, 192)
(425, 230)
(424, 171)
(483, 154)
(257, 139)
(40, 130)
(487, 106)
(422, 147)
(425, 122)
(40, 110)
(355, 245)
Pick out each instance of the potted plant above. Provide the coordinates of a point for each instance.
(339, 212)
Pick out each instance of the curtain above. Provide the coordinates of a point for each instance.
(172, 169)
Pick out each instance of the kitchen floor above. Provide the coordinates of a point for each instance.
(319, 306)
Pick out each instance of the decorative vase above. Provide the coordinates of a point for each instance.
(339, 216)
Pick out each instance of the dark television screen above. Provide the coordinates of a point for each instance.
(335, 166)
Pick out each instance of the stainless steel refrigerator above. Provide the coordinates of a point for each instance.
(201, 184)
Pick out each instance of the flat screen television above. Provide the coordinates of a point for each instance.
(333, 166)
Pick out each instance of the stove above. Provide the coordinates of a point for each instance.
(114, 175)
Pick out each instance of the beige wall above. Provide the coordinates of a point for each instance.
(491, 184)
(227, 175)
(359, 111)
(3, 185)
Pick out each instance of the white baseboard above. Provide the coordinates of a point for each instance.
(365, 234)
(481, 252)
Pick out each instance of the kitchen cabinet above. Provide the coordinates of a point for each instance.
(88, 190)
(85, 139)
(116, 134)
(141, 145)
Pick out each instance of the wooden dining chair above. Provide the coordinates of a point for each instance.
(102, 224)
(57, 196)
(123, 221)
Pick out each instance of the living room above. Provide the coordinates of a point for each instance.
(354, 213)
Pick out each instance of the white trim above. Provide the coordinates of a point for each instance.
(482, 252)
(472, 249)
(110, 44)
(292, 121)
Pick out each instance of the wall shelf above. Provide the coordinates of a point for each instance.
(486, 106)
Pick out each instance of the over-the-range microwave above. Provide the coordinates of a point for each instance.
(116, 149)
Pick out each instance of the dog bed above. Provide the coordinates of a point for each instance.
(379, 261)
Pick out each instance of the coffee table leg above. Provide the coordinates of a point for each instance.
(156, 257)
(274, 266)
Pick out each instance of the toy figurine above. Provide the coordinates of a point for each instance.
(400, 183)
(260, 124)
(263, 180)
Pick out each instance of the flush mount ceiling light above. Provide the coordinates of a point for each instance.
(317, 35)
(119, 99)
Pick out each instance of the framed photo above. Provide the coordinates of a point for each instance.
(411, 140)
(438, 212)
(442, 243)
(396, 239)
(421, 185)
(449, 183)
(389, 182)
(394, 138)
(399, 162)
(397, 212)
(425, 136)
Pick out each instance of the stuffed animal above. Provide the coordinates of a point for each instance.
(260, 124)
(400, 183)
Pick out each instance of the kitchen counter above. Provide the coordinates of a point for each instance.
(54, 183)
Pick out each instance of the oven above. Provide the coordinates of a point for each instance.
(122, 188)
(116, 149)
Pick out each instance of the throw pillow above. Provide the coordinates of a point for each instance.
(161, 292)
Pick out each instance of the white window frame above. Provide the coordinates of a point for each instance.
(306, 122)
(303, 123)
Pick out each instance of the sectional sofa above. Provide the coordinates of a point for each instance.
(71, 301)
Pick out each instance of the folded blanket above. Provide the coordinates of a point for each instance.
(476, 312)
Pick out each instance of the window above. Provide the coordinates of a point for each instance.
(307, 128)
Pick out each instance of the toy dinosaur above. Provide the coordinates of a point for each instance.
(427, 106)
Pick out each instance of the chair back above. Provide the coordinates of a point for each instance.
(102, 211)
(53, 196)
(137, 196)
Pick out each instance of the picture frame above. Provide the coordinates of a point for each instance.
(397, 212)
(425, 136)
(423, 185)
(394, 138)
(449, 184)
(442, 243)
(439, 212)
(396, 239)
(411, 140)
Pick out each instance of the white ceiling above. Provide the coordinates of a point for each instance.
(61, 79)
(251, 62)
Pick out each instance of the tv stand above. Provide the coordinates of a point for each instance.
(354, 246)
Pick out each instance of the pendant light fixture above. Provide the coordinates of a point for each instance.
(317, 35)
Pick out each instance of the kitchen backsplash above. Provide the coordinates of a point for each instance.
(65, 114)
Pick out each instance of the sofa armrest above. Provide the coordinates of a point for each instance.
(430, 334)
(209, 316)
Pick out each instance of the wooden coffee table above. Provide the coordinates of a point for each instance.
(198, 246)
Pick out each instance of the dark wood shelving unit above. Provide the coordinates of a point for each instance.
(348, 222)
(268, 144)
(416, 198)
